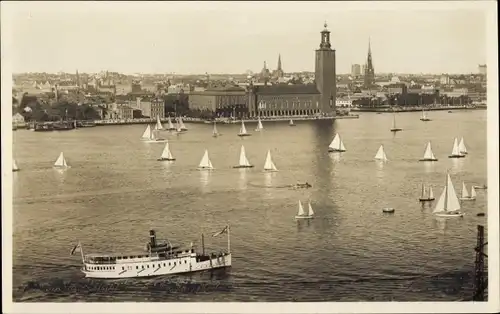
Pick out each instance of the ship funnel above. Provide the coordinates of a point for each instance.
(152, 238)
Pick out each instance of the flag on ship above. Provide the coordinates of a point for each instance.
(77, 248)
(221, 232)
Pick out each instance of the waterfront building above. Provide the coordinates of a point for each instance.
(344, 102)
(125, 112)
(325, 73)
(221, 101)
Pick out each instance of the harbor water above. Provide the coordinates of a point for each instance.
(116, 191)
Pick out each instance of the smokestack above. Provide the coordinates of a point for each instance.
(152, 238)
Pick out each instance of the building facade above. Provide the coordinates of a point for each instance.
(283, 100)
(355, 70)
(325, 73)
(222, 101)
(125, 113)
(482, 69)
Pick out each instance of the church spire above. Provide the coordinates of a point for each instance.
(369, 70)
(279, 63)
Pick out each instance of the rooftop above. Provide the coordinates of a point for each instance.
(286, 89)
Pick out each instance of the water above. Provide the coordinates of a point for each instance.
(116, 191)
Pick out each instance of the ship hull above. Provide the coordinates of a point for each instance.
(428, 159)
(426, 199)
(155, 268)
(467, 199)
(450, 215)
(240, 167)
(456, 156)
(332, 150)
(242, 135)
(396, 130)
(304, 217)
(166, 159)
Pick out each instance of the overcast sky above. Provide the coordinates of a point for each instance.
(199, 37)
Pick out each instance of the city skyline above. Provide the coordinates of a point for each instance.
(186, 38)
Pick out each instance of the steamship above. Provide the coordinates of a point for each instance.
(162, 258)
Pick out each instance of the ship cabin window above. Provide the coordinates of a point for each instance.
(123, 268)
(148, 266)
(185, 262)
(164, 265)
(142, 266)
(174, 263)
(169, 264)
(136, 267)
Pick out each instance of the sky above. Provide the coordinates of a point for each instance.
(233, 37)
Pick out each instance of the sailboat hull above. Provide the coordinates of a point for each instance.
(425, 119)
(166, 159)
(388, 210)
(463, 153)
(15, 170)
(428, 159)
(244, 134)
(467, 198)
(160, 140)
(481, 187)
(304, 217)
(396, 130)
(205, 168)
(335, 150)
(270, 170)
(292, 125)
(426, 199)
(250, 166)
(456, 156)
(451, 215)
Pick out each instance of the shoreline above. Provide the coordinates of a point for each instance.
(416, 109)
(198, 120)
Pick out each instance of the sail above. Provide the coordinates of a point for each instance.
(269, 164)
(14, 165)
(158, 124)
(461, 147)
(381, 154)
(152, 137)
(423, 114)
(473, 192)
(452, 202)
(166, 154)
(311, 212)
(440, 206)
(61, 162)
(215, 130)
(431, 194)
(243, 130)
(205, 161)
(259, 125)
(170, 125)
(423, 191)
(335, 144)
(465, 193)
(243, 158)
(455, 151)
(291, 122)
(342, 147)
(301, 209)
(181, 124)
(428, 152)
(147, 133)
(394, 122)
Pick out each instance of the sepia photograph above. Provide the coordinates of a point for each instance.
(250, 157)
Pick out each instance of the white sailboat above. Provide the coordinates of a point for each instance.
(215, 133)
(291, 123)
(465, 193)
(149, 136)
(182, 126)
(336, 145)
(243, 162)
(455, 153)
(381, 154)
(302, 214)
(260, 127)
(14, 166)
(158, 125)
(424, 197)
(61, 162)
(424, 116)
(448, 204)
(166, 154)
(428, 154)
(170, 125)
(146, 136)
(205, 163)
(269, 164)
(461, 147)
(394, 127)
(243, 130)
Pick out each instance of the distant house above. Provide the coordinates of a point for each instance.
(18, 119)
